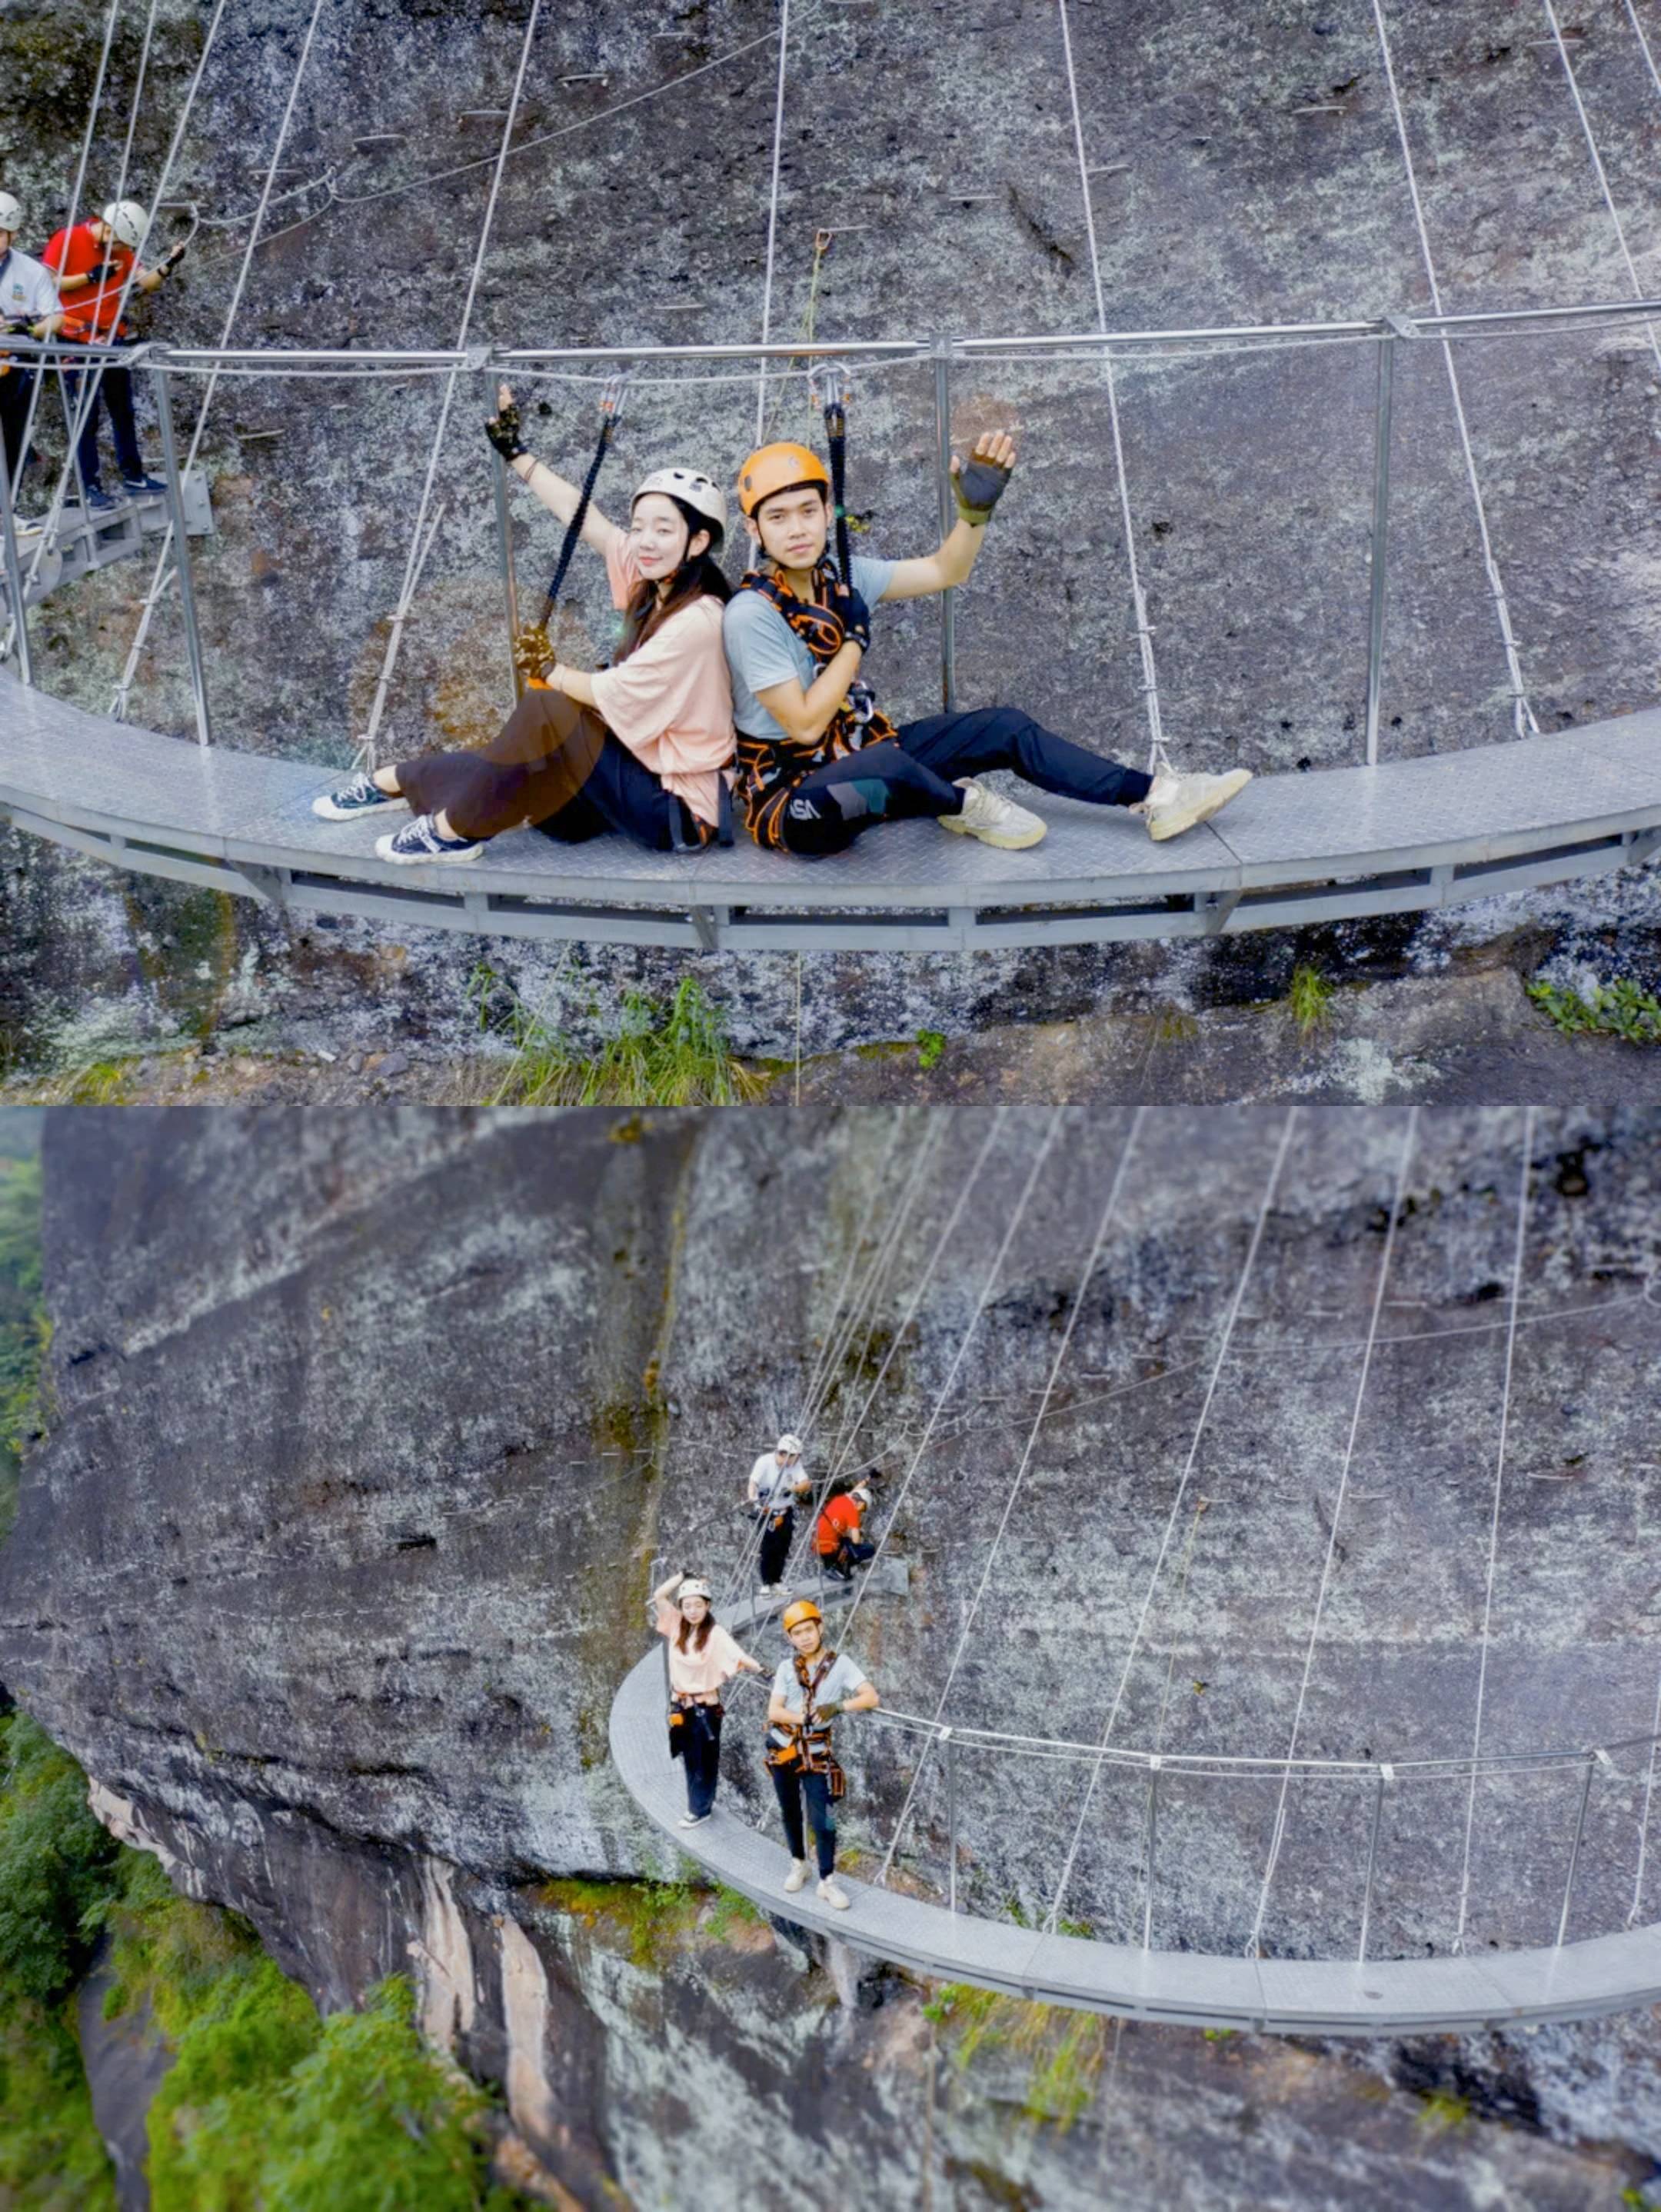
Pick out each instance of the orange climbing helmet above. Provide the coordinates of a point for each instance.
(794, 1615)
(778, 468)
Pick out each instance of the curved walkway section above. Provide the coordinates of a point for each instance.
(1327, 1997)
(1336, 844)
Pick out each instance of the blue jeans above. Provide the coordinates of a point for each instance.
(791, 1787)
(915, 773)
(114, 390)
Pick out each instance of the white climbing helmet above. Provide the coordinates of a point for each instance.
(693, 488)
(128, 221)
(789, 1447)
(692, 1588)
(11, 215)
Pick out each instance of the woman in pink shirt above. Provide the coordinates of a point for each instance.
(641, 746)
(702, 1657)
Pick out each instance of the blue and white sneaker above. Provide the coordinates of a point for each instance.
(419, 840)
(142, 486)
(363, 795)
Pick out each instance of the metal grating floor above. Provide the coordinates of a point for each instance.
(1332, 844)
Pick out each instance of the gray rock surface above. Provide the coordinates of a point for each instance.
(367, 1430)
(1243, 170)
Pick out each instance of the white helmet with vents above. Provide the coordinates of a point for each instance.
(692, 487)
(128, 222)
(11, 215)
(789, 1447)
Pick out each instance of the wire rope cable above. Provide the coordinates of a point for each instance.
(773, 214)
(1523, 720)
(1104, 1222)
(366, 758)
(87, 396)
(1157, 756)
(1052, 1915)
(1052, 1131)
(1597, 163)
(1277, 1834)
(1494, 1524)
(123, 688)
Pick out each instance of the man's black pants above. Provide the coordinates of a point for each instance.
(790, 1786)
(776, 1539)
(915, 773)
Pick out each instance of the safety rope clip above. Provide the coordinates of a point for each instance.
(830, 385)
(611, 398)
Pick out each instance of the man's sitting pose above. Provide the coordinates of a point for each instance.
(817, 763)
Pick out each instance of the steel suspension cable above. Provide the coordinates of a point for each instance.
(1494, 1524)
(1109, 1209)
(89, 384)
(1523, 720)
(1598, 164)
(1278, 1831)
(931, 1265)
(992, 1274)
(412, 565)
(1053, 1915)
(123, 687)
(773, 214)
(1156, 753)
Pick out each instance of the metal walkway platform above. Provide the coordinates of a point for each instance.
(1320, 1997)
(1330, 845)
(85, 539)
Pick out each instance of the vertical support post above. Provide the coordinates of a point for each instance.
(19, 624)
(950, 1742)
(1574, 1848)
(1153, 1816)
(1372, 1861)
(1376, 627)
(942, 431)
(164, 414)
(505, 544)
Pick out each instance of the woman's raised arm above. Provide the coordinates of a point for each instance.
(547, 484)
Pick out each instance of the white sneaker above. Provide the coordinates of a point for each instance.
(796, 1878)
(993, 818)
(693, 1820)
(831, 1892)
(1176, 803)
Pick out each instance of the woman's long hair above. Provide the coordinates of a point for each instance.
(700, 1635)
(699, 578)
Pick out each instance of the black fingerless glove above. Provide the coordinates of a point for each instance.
(978, 487)
(172, 258)
(97, 273)
(503, 432)
(855, 617)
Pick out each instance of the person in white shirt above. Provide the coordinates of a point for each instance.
(777, 1481)
(702, 1658)
(29, 307)
(809, 1690)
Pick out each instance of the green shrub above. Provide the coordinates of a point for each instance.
(1309, 999)
(1620, 1010)
(55, 1863)
(51, 2157)
(267, 2107)
(656, 1055)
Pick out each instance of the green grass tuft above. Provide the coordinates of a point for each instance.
(930, 1043)
(657, 1055)
(1309, 999)
(1618, 1010)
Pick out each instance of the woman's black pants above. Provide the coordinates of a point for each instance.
(700, 1755)
(791, 1787)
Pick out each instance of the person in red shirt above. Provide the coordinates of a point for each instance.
(836, 1535)
(93, 263)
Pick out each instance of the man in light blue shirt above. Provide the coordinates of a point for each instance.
(810, 1689)
(817, 764)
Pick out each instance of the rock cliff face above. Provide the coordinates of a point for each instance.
(1241, 171)
(366, 1430)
